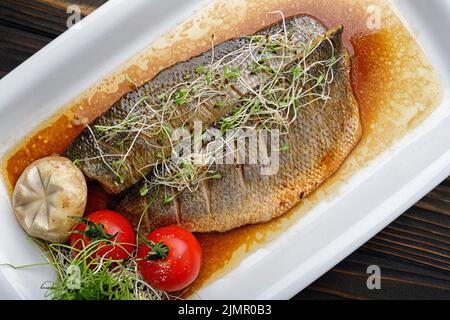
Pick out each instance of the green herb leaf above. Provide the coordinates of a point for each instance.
(94, 231)
(158, 251)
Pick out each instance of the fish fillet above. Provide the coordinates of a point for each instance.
(143, 151)
(319, 140)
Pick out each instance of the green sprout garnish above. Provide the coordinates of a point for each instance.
(216, 176)
(200, 69)
(78, 162)
(180, 97)
(144, 190)
(296, 71)
(168, 199)
(284, 147)
(290, 76)
(219, 104)
(230, 73)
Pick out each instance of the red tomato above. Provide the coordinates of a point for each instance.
(108, 225)
(170, 258)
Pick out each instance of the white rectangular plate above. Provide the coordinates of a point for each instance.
(311, 246)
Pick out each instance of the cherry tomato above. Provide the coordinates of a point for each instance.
(107, 225)
(169, 258)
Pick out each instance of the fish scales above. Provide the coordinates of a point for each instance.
(143, 153)
(320, 139)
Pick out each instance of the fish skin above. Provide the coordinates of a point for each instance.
(319, 141)
(143, 153)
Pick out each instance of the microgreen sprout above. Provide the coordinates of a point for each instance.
(200, 69)
(78, 162)
(284, 147)
(278, 75)
(80, 276)
(230, 73)
(168, 199)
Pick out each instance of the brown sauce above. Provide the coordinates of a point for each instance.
(394, 84)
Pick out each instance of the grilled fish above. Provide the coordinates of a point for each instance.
(143, 151)
(319, 140)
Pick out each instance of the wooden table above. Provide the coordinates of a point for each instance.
(413, 252)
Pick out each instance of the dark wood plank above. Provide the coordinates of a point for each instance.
(400, 280)
(16, 46)
(39, 17)
(413, 252)
(27, 25)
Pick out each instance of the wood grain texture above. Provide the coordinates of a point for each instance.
(27, 25)
(413, 252)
